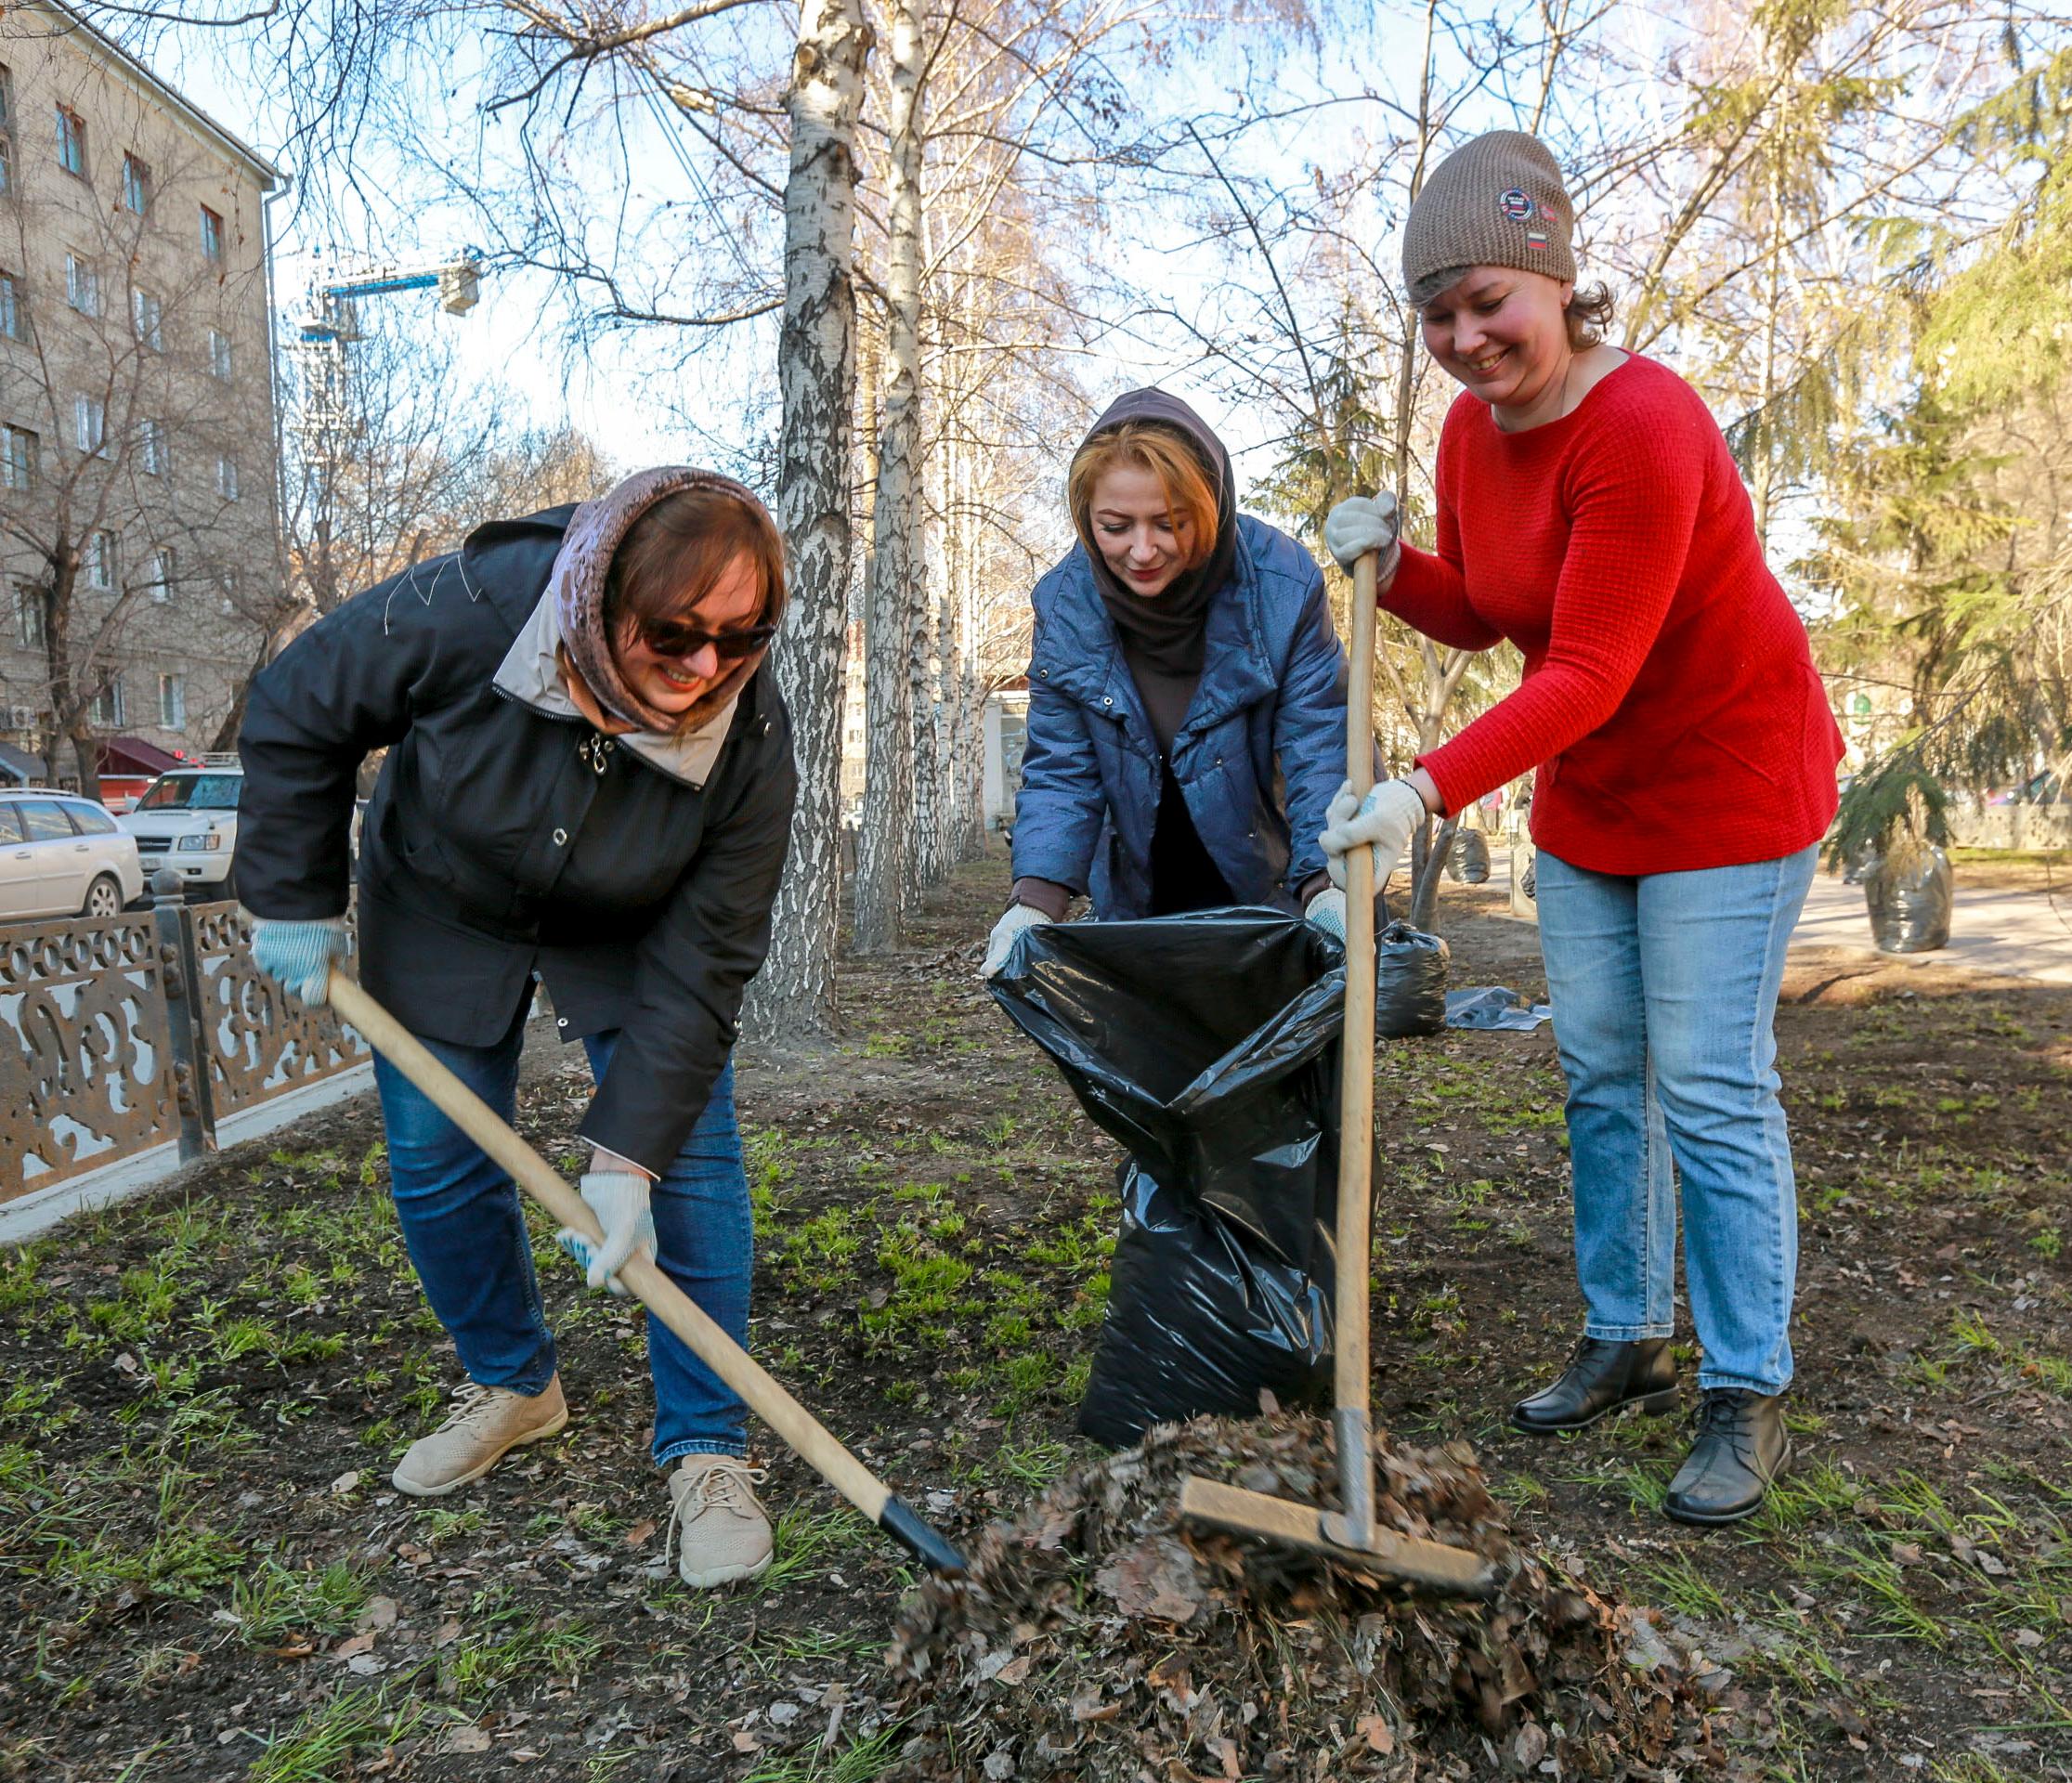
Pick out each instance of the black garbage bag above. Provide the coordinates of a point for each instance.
(1468, 859)
(1208, 1045)
(1910, 897)
(1410, 982)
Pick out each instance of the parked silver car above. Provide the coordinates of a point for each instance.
(62, 856)
(187, 820)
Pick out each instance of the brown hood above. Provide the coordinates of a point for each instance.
(1166, 632)
(582, 573)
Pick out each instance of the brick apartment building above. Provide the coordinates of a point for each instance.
(139, 492)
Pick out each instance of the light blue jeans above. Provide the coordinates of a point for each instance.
(1665, 992)
(466, 1235)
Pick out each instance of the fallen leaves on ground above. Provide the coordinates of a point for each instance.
(1178, 1654)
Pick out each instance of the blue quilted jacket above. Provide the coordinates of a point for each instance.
(1259, 756)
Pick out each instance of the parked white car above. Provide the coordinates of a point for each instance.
(62, 856)
(187, 820)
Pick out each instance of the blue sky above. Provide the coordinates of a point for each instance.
(515, 334)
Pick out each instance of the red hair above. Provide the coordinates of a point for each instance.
(1149, 446)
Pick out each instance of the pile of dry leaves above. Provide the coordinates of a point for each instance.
(1097, 1638)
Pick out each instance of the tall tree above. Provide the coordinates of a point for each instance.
(817, 363)
(895, 629)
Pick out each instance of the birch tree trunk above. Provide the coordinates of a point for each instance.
(939, 854)
(895, 621)
(816, 369)
(906, 251)
(972, 615)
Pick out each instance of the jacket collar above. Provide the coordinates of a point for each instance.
(1236, 670)
(530, 673)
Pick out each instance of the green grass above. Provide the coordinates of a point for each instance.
(270, 1603)
(860, 1760)
(808, 1543)
(318, 1746)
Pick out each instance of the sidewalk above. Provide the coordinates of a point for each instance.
(2016, 932)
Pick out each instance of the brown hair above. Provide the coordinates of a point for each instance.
(672, 558)
(1189, 490)
(1588, 314)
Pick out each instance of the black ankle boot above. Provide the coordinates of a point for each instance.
(1602, 1377)
(1741, 1448)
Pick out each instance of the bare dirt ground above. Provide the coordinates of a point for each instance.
(206, 1575)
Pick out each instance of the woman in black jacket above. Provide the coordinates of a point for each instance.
(589, 780)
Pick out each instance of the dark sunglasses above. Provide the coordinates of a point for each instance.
(680, 638)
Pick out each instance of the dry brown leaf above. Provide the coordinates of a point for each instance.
(1379, 1734)
(638, 1536)
(1156, 1577)
(346, 1649)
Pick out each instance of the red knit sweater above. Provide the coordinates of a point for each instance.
(1670, 701)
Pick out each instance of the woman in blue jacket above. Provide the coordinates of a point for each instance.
(1187, 695)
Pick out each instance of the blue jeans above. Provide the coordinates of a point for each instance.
(465, 1229)
(1665, 991)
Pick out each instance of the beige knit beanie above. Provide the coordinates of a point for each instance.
(1495, 201)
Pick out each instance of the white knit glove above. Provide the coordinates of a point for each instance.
(1327, 910)
(1360, 524)
(618, 1198)
(1386, 819)
(1019, 916)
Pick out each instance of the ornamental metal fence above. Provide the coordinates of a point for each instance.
(142, 1030)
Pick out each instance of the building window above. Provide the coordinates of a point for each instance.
(226, 584)
(136, 185)
(72, 141)
(6, 163)
(171, 703)
(108, 703)
(220, 355)
(211, 233)
(17, 458)
(146, 313)
(227, 478)
(160, 568)
(6, 129)
(82, 285)
(28, 616)
(89, 420)
(100, 560)
(12, 322)
(150, 441)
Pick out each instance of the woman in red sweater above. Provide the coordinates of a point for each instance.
(1590, 512)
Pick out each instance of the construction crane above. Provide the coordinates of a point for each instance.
(328, 418)
(332, 325)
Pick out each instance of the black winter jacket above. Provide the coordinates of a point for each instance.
(502, 841)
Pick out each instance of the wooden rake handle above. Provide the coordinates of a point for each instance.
(800, 1431)
(1356, 1097)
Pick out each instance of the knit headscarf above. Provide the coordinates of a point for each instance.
(1495, 201)
(582, 579)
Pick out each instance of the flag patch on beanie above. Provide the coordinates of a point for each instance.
(1516, 204)
(1535, 238)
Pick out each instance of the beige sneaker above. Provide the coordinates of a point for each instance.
(726, 1535)
(484, 1425)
